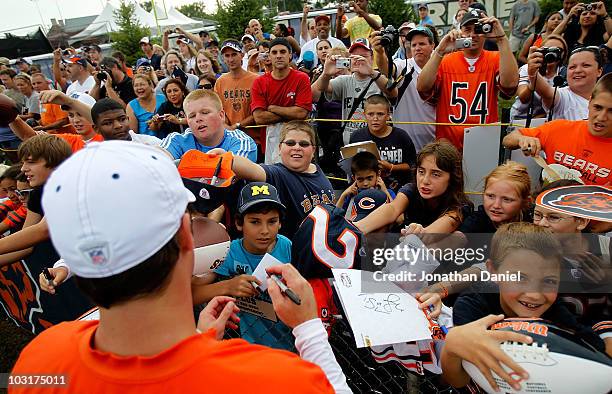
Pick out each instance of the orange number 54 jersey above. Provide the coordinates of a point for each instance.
(466, 94)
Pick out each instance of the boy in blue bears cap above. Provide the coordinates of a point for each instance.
(259, 216)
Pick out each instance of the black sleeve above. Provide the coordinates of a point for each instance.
(560, 315)
(409, 149)
(163, 109)
(156, 62)
(35, 201)
(469, 308)
(127, 92)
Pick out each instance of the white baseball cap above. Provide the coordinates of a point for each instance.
(112, 205)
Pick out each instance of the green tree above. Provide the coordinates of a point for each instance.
(147, 5)
(130, 32)
(195, 10)
(392, 12)
(232, 17)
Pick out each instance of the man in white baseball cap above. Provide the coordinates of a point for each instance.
(117, 214)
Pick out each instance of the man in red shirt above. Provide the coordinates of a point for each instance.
(584, 145)
(280, 96)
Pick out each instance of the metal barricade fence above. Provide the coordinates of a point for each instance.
(363, 373)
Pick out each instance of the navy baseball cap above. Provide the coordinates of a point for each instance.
(258, 192)
(232, 44)
(472, 16)
(366, 201)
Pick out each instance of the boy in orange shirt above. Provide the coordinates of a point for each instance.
(581, 144)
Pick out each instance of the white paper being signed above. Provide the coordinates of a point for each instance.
(379, 318)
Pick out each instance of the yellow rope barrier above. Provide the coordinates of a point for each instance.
(406, 122)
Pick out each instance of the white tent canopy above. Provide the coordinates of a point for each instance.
(173, 17)
(105, 22)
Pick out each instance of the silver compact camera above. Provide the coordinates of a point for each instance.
(343, 62)
(463, 43)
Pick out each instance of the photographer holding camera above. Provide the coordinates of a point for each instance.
(528, 101)
(352, 90)
(461, 73)
(572, 101)
(586, 25)
(112, 82)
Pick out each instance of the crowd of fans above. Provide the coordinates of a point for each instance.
(283, 107)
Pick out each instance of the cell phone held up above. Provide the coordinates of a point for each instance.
(343, 62)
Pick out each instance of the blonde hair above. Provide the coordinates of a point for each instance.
(338, 51)
(144, 77)
(515, 173)
(203, 94)
(523, 235)
(298, 125)
(213, 61)
(23, 76)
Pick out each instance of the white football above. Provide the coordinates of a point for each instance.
(557, 361)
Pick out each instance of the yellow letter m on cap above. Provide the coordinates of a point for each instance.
(255, 190)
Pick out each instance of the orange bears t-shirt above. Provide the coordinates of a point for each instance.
(198, 364)
(568, 142)
(51, 113)
(235, 95)
(465, 94)
(76, 141)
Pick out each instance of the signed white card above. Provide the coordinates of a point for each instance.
(260, 271)
(379, 318)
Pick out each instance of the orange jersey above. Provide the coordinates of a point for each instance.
(198, 364)
(569, 143)
(76, 141)
(465, 94)
(51, 113)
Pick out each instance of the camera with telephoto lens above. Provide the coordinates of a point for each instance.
(482, 28)
(102, 74)
(389, 35)
(551, 55)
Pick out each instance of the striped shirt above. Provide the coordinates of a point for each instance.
(235, 141)
(15, 219)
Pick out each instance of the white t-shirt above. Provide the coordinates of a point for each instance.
(346, 88)
(569, 106)
(519, 108)
(85, 87)
(411, 108)
(312, 46)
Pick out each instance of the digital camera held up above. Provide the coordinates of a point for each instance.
(463, 43)
(483, 28)
(102, 74)
(551, 55)
(389, 35)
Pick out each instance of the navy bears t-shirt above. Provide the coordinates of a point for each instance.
(396, 148)
(299, 192)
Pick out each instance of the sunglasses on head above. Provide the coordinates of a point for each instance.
(23, 193)
(303, 144)
(206, 86)
(591, 48)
